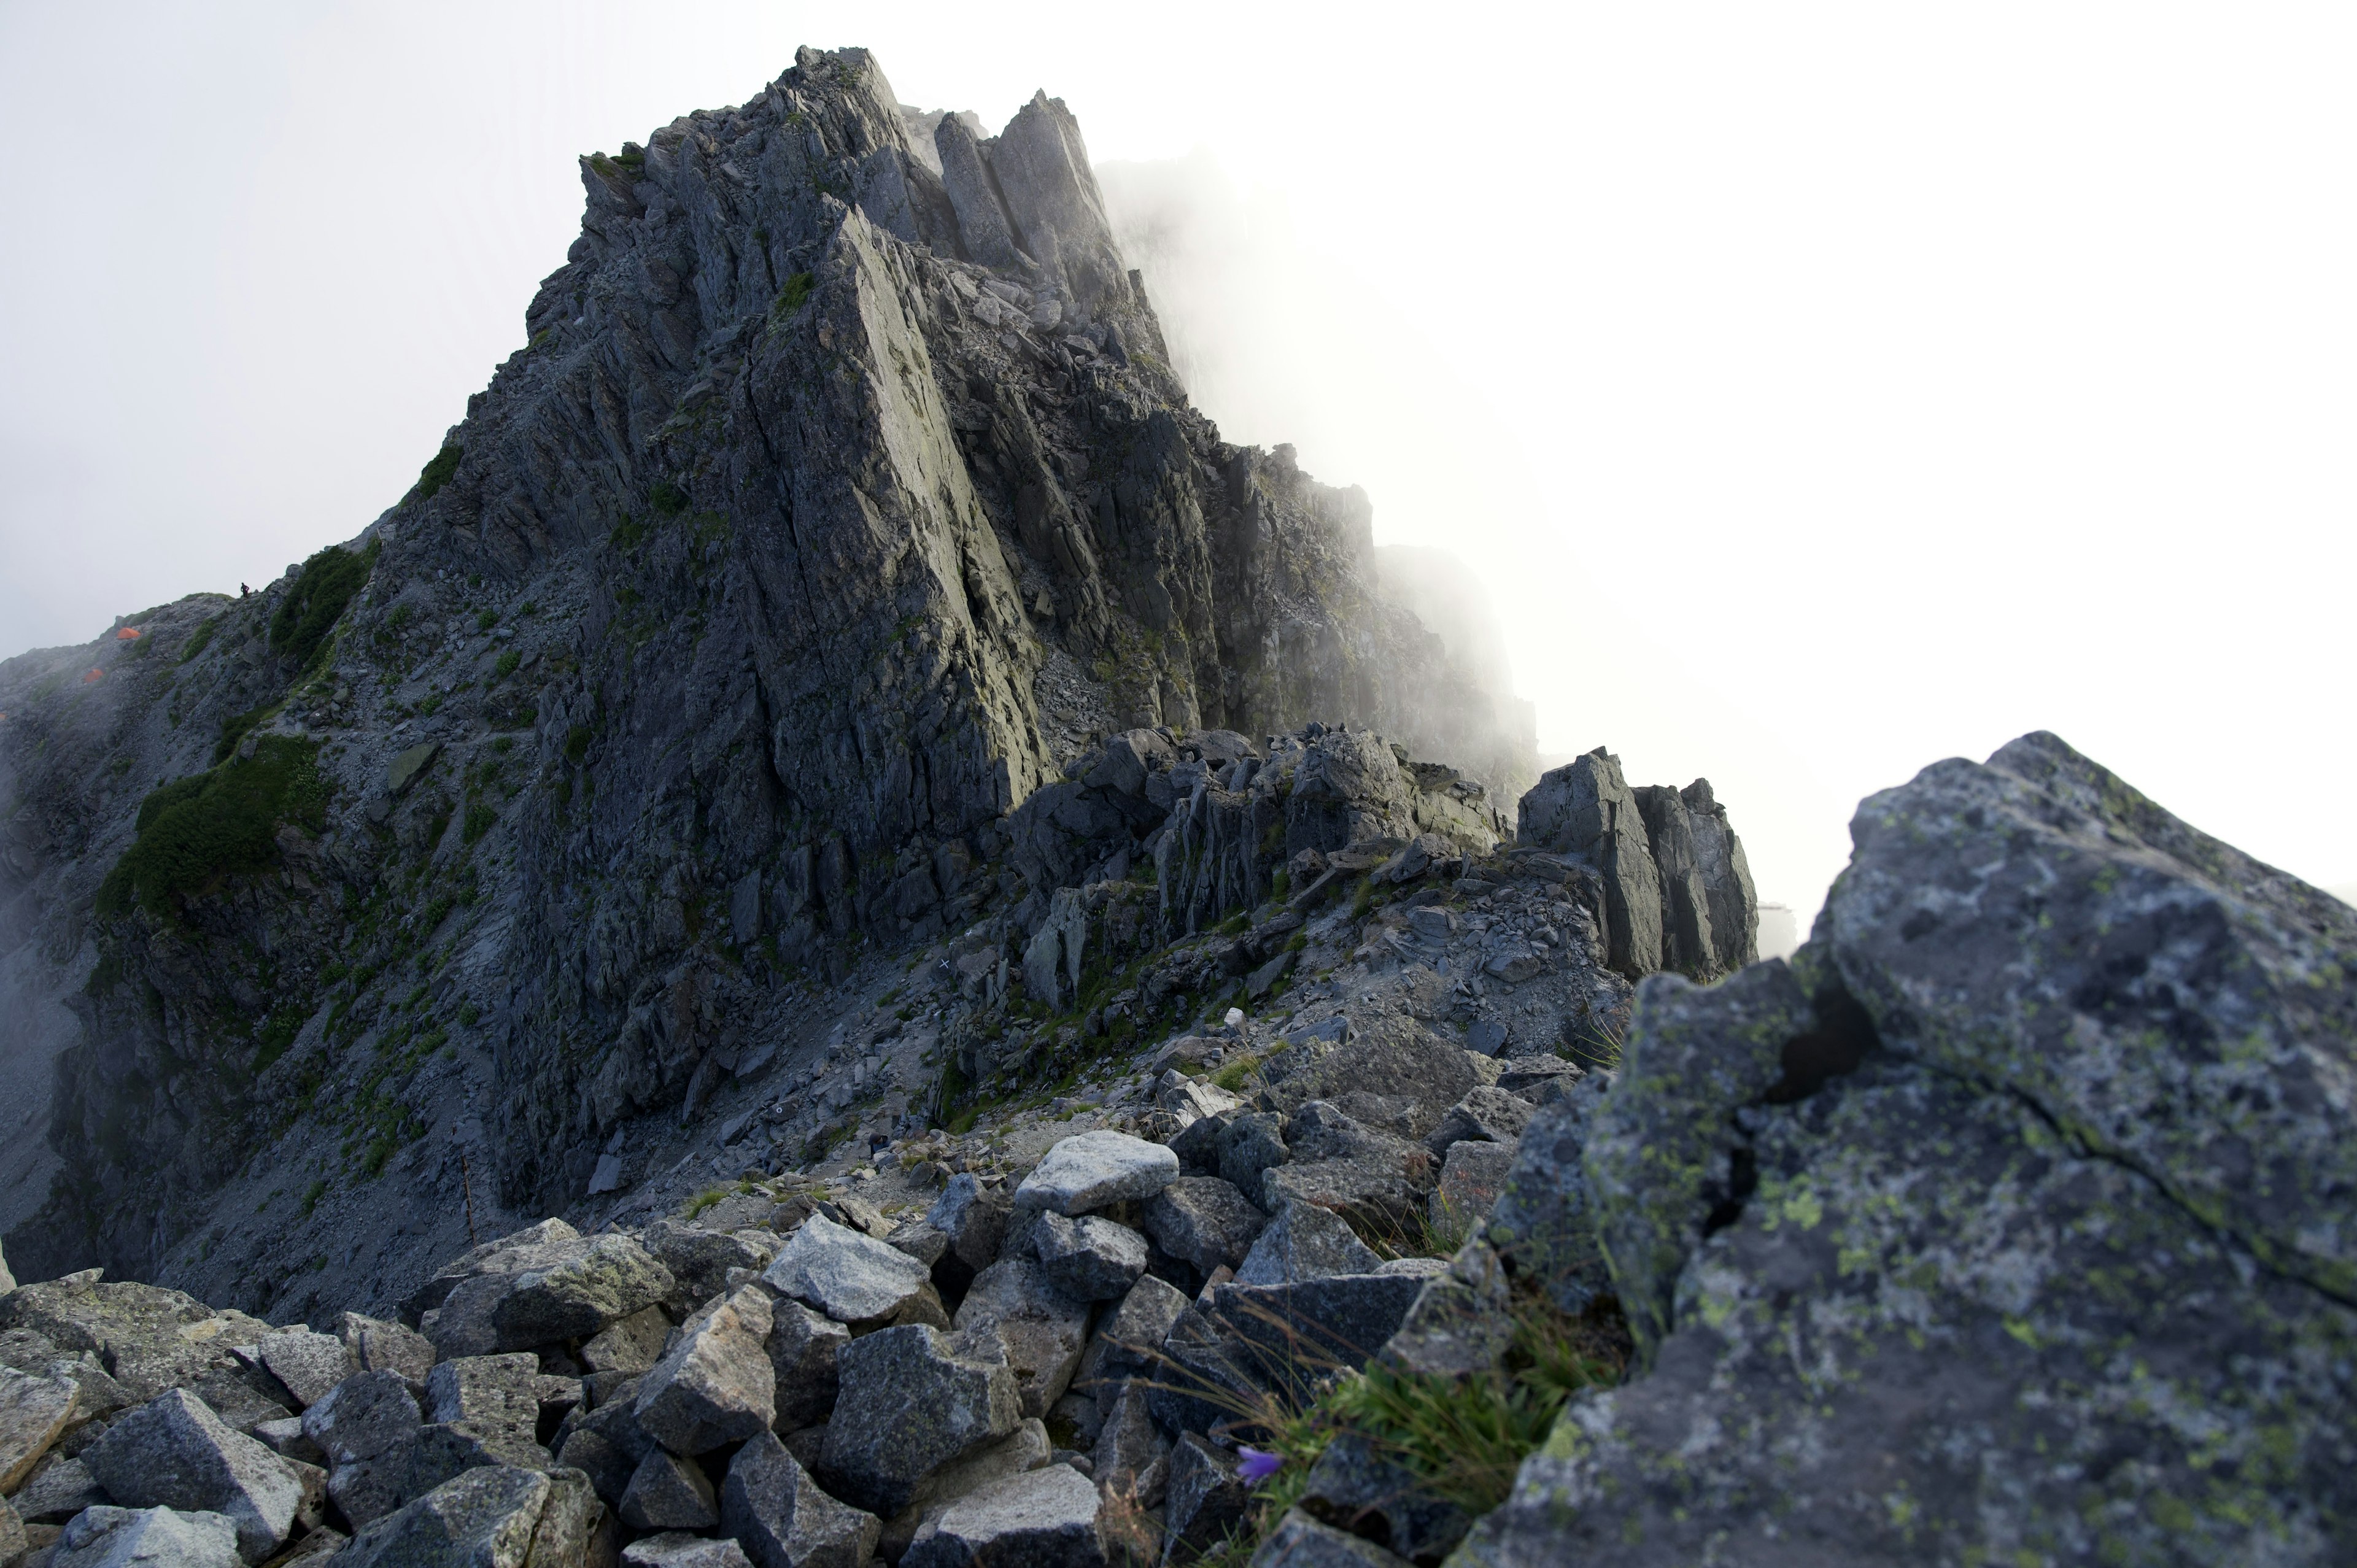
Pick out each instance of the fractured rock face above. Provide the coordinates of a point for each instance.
(850, 1277)
(1305, 1242)
(771, 1506)
(1042, 1329)
(309, 1364)
(667, 1492)
(1988, 1122)
(716, 1386)
(581, 1288)
(1091, 1258)
(500, 1517)
(1096, 1170)
(33, 1412)
(1204, 1220)
(912, 1399)
(173, 1452)
(1046, 1517)
(803, 1347)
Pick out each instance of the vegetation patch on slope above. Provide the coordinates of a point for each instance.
(317, 600)
(195, 831)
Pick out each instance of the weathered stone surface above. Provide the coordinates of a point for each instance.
(1128, 1338)
(1305, 1242)
(802, 1348)
(1026, 1448)
(61, 1487)
(173, 1452)
(149, 1339)
(634, 1344)
(1543, 1220)
(489, 1391)
(1586, 809)
(1092, 1170)
(1359, 1487)
(381, 1346)
(1204, 1220)
(1091, 1258)
(676, 1551)
(1043, 1330)
(538, 1246)
(974, 1220)
(1205, 1499)
(913, 1398)
(716, 1386)
(1131, 1458)
(1301, 1541)
(699, 1259)
(309, 1364)
(443, 1450)
(667, 1492)
(33, 1412)
(1460, 1325)
(1287, 1333)
(581, 1288)
(1484, 1115)
(493, 1516)
(150, 1538)
(365, 1426)
(850, 1277)
(1249, 1144)
(771, 1506)
(1987, 1125)
(1394, 1059)
(1470, 1180)
(607, 1446)
(1040, 1518)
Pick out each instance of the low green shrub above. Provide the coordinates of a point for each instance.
(322, 592)
(194, 832)
(437, 472)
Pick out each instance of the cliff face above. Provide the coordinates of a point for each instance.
(839, 498)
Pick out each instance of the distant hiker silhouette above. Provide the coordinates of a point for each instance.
(242, 590)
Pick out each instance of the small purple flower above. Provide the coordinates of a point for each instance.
(1257, 1467)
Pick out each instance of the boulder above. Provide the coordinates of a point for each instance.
(803, 1347)
(1470, 1180)
(577, 1289)
(1093, 1170)
(700, 1260)
(1460, 1325)
(1132, 1458)
(667, 1492)
(717, 1385)
(59, 1489)
(1301, 1541)
(673, 1550)
(379, 1346)
(539, 1246)
(633, 1345)
(1586, 809)
(1484, 1115)
(1091, 1258)
(1040, 1518)
(606, 1445)
(2041, 1119)
(105, 1537)
(1290, 1333)
(913, 1398)
(33, 1412)
(492, 1517)
(850, 1277)
(1024, 1448)
(1543, 1221)
(149, 1339)
(1305, 1242)
(1042, 1329)
(501, 1391)
(973, 1217)
(443, 1450)
(365, 1427)
(1204, 1220)
(173, 1452)
(771, 1505)
(1203, 1501)
(1248, 1144)
(1360, 1483)
(309, 1364)
(1127, 1339)
(1395, 1058)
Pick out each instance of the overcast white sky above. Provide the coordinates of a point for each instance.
(1822, 389)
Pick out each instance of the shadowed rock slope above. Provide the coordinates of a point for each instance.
(833, 507)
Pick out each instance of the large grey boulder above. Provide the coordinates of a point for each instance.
(1305, 1242)
(802, 1348)
(364, 1427)
(377, 1346)
(1027, 1447)
(700, 1260)
(33, 1412)
(2045, 1119)
(675, 1550)
(1586, 809)
(631, 1346)
(1094, 1170)
(538, 1246)
(1543, 1220)
(1129, 1338)
(492, 1517)
(1471, 1177)
(717, 1385)
(1301, 1541)
(1040, 1518)
(1042, 1329)
(1204, 1220)
(1132, 1459)
(1486, 1113)
(850, 1277)
(500, 1391)
(173, 1452)
(1091, 1258)
(1204, 1500)
(105, 1537)
(309, 1364)
(574, 1290)
(149, 1339)
(59, 1489)
(668, 1492)
(771, 1506)
(912, 1399)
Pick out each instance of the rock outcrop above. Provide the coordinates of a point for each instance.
(772, 604)
(2007, 1219)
